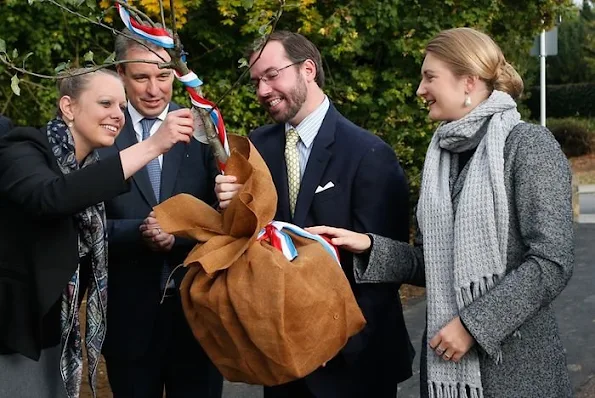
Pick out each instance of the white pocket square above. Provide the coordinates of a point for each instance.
(328, 185)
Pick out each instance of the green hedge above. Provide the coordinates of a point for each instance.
(566, 100)
(576, 136)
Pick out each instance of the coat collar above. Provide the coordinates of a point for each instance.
(319, 158)
(272, 149)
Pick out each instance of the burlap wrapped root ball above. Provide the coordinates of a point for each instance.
(261, 318)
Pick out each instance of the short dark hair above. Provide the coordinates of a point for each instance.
(124, 43)
(297, 47)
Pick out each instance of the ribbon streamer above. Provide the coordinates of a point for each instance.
(189, 80)
(216, 117)
(279, 239)
(157, 36)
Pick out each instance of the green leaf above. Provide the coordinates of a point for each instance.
(88, 57)
(110, 58)
(247, 4)
(26, 57)
(75, 3)
(2, 46)
(15, 53)
(61, 67)
(14, 85)
(243, 63)
(263, 29)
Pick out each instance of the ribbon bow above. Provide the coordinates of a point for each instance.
(282, 241)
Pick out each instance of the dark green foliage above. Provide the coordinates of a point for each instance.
(564, 100)
(54, 37)
(372, 53)
(574, 135)
(576, 36)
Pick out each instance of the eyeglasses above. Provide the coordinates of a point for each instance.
(271, 75)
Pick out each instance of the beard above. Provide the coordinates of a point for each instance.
(294, 101)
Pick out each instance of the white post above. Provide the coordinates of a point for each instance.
(542, 56)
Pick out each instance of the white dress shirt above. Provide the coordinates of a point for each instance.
(307, 130)
(138, 128)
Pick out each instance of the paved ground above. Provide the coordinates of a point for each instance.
(575, 309)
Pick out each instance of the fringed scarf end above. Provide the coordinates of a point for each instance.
(498, 358)
(474, 290)
(453, 390)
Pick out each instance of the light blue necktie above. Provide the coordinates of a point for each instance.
(154, 170)
(153, 167)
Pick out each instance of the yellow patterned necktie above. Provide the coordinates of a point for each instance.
(292, 160)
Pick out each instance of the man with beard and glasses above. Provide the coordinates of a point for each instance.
(328, 171)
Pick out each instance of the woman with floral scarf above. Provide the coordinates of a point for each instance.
(494, 244)
(53, 246)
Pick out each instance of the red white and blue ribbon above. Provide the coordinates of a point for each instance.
(216, 117)
(189, 80)
(279, 239)
(162, 38)
(157, 36)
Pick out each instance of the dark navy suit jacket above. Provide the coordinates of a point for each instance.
(134, 285)
(370, 194)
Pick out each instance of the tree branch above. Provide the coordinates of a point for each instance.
(34, 95)
(177, 61)
(162, 12)
(172, 10)
(207, 52)
(160, 65)
(247, 70)
(113, 30)
(136, 13)
(8, 99)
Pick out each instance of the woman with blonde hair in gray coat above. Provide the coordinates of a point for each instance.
(494, 245)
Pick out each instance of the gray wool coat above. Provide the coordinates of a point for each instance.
(540, 263)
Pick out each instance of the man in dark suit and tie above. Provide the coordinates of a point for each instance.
(5, 125)
(149, 346)
(328, 171)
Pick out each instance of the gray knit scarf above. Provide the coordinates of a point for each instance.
(464, 247)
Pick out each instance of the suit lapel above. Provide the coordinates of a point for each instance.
(171, 164)
(169, 170)
(126, 139)
(272, 150)
(316, 166)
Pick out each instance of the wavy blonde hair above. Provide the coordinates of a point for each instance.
(469, 52)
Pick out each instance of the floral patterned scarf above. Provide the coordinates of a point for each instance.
(92, 242)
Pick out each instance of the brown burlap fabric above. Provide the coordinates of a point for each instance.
(261, 318)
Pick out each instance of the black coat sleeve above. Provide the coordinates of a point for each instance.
(30, 177)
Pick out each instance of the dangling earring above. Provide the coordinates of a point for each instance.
(467, 102)
(70, 124)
